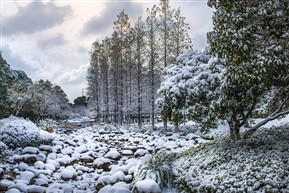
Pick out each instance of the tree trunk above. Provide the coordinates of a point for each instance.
(176, 125)
(234, 131)
(165, 121)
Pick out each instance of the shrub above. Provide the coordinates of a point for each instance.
(17, 132)
(157, 167)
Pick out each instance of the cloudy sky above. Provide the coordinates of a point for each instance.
(51, 39)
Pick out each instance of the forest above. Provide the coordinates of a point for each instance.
(126, 69)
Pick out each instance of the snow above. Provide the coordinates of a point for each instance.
(148, 185)
(113, 154)
(30, 150)
(68, 173)
(18, 132)
(256, 164)
(77, 161)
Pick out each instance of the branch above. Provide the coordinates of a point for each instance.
(271, 117)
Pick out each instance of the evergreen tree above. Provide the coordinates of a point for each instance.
(252, 38)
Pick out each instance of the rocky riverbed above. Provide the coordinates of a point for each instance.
(92, 159)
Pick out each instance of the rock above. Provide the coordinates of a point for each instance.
(140, 152)
(22, 187)
(102, 163)
(115, 155)
(127, 152)
(68, 173)
(46, 148)
(81, 149)
(1, 173)
(191, 136)
(39, 165)
(48, 129)
(30, 159)
(23, 166)
(5, 184)
(41, 157)
(68, 189)
(30, 150)
(45, 137)
(86, 159)
(26, 177)
(147, 186)
(13, 190)
(41, 182)
(83, 186)
(36, 189)
(117, 177)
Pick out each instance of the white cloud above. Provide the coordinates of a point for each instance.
(52, 40)
(35, 17)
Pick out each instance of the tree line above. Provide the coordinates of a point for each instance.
(21, 97)
(126, 69)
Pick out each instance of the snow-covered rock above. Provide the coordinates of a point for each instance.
(102, 163)
(30, 150)
(113, 154)
(45, 137)
(147, 186)
(68, 173)
(140, 152)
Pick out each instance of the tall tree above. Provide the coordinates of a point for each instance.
(93, 78)
(152, 41)
(181, 39)
(165, 26)
(104, 77)
(139, 44)
(121, 29)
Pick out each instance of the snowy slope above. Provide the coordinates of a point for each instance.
(258, 164)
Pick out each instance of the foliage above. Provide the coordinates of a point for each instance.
(190, 89)
(18, 132)
(81, 100)
(251, 37)
(157, 167)
(36, 101)
(4, 76)
(247, 165)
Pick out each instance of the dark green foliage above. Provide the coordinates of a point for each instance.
(82, 100)
(252, 38)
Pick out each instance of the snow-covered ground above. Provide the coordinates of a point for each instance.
(258, 164)
(98, 158)
(103, 159)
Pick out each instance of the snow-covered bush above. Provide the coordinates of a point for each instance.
(258, 164)
(190, 89)
(18, 132)
(157, 167)
(3, 149)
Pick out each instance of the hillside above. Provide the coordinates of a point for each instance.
(258, 164)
